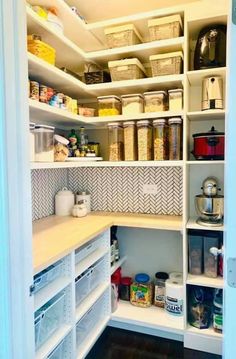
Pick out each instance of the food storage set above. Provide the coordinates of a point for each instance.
(146, 140)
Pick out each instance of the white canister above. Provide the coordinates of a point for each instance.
(174, 297)
(85, 197)
(64, 202)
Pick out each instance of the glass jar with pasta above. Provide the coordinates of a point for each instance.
(144, 140)
(130, 141)
(116, 141)
(175, 138)
(160, 129)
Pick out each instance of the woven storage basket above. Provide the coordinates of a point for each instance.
(130, 69)
(42, 50)
(125, 35)
(167, 64)
(165, 27)
(96, 77)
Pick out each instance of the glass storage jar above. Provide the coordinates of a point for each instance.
(130, 141)
(160, 289)
(109, 106)
(175, 99)
(44, 141)
(160, 129)
(155, 101)
(175, 138)
(144, 140)
(116, 141)
(132, 104)
(141, 291)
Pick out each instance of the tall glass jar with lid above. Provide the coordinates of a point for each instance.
(130, 141)
(116, 141)
(144, 140)
(160, 129)
(175, 138)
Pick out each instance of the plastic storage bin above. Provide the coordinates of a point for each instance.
(58, 352)
(195, 252)
(116, 141)
(89, 280)
(167, 64)
(210, 260)
(44, 143)
(160, 129)
(175, 138)
(47, 276)
(130, 141)
(155, 101)
(124, 35)
(132, 104)
(48, 319)
(165, 27)
(109, 106)
(89, 248)
(141, 291)
(144, 140)
(129, 69)
(175, 99)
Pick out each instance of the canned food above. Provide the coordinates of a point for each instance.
(43, 91)
(54, 101)
(34, 90)
(50, 93)
(60, 97)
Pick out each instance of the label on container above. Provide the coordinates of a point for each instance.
(141, 295)
(159, 298)
(218, 321)
(174, 306)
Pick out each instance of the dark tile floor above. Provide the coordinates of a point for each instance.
(121, 344)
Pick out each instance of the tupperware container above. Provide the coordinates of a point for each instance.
(141, 291)
(175, 138)
(160, 140)
(116, 141)
(175, 99)
(165, 27)
(44, 140)
(109, 105)
(130, 141)
(144, 129)
(195, 253)
(124, 35)
(167, 64)
(155, 101)
(129, 69)
(132, 104)
(210, 259)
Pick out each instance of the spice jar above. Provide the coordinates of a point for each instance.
(124, 288)
(160, 129)
(144, 140)
(109, 106)
(175, 138)
(155, 101)
(141, 291)
(116, 141)
(132, 104)
(130, 141)
(160, 289)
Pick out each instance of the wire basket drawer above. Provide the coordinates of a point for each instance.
(47, 276)
(48, 319)
(89, 248)
(58, 352)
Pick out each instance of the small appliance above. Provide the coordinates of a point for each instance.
(212, 93)
(209, 145)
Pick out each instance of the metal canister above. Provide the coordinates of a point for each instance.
(34, 90)
(43, 90)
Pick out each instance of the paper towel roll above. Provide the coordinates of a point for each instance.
(174, 297)
(176, 275)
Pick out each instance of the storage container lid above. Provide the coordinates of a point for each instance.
(126, 280)
(129, 123)
(114, 124)
(132, 95)
(166, 55)
(44, 127)
(153, 93)
(61, 139)
(110, 97)
(175, 120)
(159, 121)
(65, 192)
(175, 91)
(83, 193)
(165, 20)
(142, 278)
(213, 132)
(126, 62)
(162, 275)
(112, 30)
(143, 122)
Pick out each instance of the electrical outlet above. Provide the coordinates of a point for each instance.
(149, 188)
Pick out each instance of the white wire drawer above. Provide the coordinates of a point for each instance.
(48, 319)
(99, 242)
(89, 280)
(47, 276)
(63, 349)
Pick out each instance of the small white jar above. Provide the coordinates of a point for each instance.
(85, 197)
(79, 210)
(64, 202)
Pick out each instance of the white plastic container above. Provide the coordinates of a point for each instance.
(129, 69)
(165, 27)
(44, 141)
(155, 101)
(32, 142)
(64, 202)
(124, 35)
(167, 64)
(85, 197)
(175, 99)
(132, 104)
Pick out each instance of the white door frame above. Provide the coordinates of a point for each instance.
(16, 305)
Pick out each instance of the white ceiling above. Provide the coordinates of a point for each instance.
(97, 10)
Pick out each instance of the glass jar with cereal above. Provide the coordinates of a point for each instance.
(130, 141)
(160, 129)
(116, 141)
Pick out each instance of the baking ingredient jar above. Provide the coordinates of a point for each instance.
(155, 101)
(160, 289)
(44, 140)
(109, 106)
(175, 138)
(144, 140)
(64, 202)
(132, 104)
(175, 99)
(32, 142)
(130, 141)
(141, 291)
(160, 129)
(85, 197)
(124, 288)
(116, 141)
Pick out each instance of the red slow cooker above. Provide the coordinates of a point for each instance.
(209, 145)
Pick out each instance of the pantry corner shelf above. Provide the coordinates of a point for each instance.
(118, 264)
(206, 115)
(210, 162)
(209, 332)
(202, 280)
(192, 224)
(195, 77)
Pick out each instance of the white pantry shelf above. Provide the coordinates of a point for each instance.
(195, 77)
(118, 264)
(192, 224)
(202, 280)
(206, 115)
(89, 260)
(207, 163)
(153, 317)
(206, 332)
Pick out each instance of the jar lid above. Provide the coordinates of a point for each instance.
(126, 280)
(82, 193)
(159, 121)
(128, 123)
(142, 278)
(143, 122)
(162, 275)
(114, 124)
(65, 192)
(61, 139)
(212, 132)
(39, 127)
(151, 93)
(175, 120)
(110, 97)
(133, 95)
(32, 125)
(175, 90)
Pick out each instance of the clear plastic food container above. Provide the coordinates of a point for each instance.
(124, 35)
(141, 291)
(175, 138)
(132, 104)
(44, 141)
(175, 99)
(116, 141)
(160, 129)
(144, 140)
(109, 105)
(130, 141)
(167, 64)
(210, 259)
(195, 253)
(129, 69)
(155, 101)
(165, 27)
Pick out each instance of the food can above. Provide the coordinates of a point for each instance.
(67, 102)
(50, 93)
(43, 90)
(60, 97)
(34, 90)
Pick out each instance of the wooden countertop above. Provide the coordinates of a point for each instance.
(55, 237)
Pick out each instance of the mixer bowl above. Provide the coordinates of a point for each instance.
(210, 209)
